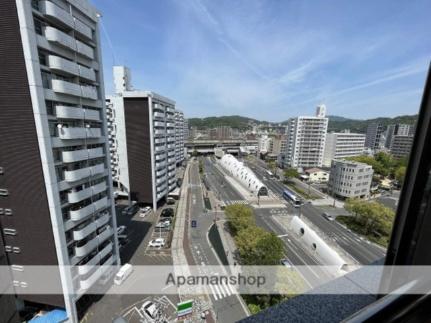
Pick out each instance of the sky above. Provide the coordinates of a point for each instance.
(271, 60)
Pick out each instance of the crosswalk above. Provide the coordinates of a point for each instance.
(230, 202)
(221, 291)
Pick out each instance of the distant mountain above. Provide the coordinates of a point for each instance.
(336, 123)
(237, 122)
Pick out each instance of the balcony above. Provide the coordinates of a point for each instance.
(171, 160)
(160, 180)
(160, 148)
(101, 270)
(170, 124)
(83, 232)
(89, 92)
(170, 132)
(57, 63)
(160, 172)
(77, 155)
(60, 38)
(76, 175)
(85, 269)
(171, 180)
(171, 153)
(76, 215)
(65, 87)
(79, 133)
(159, 124)
(53, 11)
(161, 157)
(158, 132)
(76, 196)
(87, 73)
(159, 115)
(84, 50)
(170, 110)
(66, 112)
(171, 174)
(83, 29)
(159, 141)
(171, 187)
(162, 188)
(171, 167)
(160, 165)
(171, 139)
(171, 146)
(93, 243)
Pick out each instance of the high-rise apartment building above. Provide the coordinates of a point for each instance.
(186, 129)
(401, 145)
(179, 136)
(278, 144)
(373, 138)
(341, 145)
(398, 129)
(263, 144)
(305, 141)
(55, 182)
(143, 142)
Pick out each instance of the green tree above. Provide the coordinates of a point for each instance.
(239, 217)
(400, 173)
(290, 173)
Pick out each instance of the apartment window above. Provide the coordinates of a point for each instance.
(49, 107)
(4, 192)
(42, 59)
(38, 26)
(46, 80)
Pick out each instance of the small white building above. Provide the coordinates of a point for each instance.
(317, 175)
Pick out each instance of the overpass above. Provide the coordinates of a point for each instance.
(231, 146)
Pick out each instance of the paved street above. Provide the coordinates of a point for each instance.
(139, 231)
(359, 248)
(227, 306)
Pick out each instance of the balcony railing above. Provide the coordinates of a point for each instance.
(61, 64)
(89, 92)
(83, 29)
(79, 133)
(77, 155)
(159, 124)
(161, 157)
(51, 10)
(87, 73)
(160, 148)
(76, 215)
(159, 132)
(65, 87)
(67, 112)
(76, 175)
(85, 269)
(82, 233)
(160, 165)
(90, 281)
(159, 115)
(76, 196)
(84, 50)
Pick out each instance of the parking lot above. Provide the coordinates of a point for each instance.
(136, 251)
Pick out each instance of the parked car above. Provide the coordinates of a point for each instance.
(123, 273)
(150, 311)
(131, 210)
(145, 211)
(170, 200)
(328, 217)
(157, 243)
(163, 224)
(168, 212)
(121, 229)
(286, 262)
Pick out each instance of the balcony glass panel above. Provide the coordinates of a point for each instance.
(53, 11)
(76, 196)
(77, 155)
(67, 112)
(76, 175)
(60, 64)
(85, 269)
(79, 133)
(85, 211)
(90, 281)
(84, 231)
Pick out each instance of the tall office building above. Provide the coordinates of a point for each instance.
(341, 145)
(401, 145)
(305, 141)
(398, 129)
(179, 136)
(55, 181)
(143, 142)
(374, 136)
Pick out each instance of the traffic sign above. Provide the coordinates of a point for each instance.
(184, 309)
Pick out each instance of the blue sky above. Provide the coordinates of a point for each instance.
(272, 60)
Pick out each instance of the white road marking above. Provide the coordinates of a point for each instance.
(213, 292)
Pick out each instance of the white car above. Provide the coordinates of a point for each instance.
(150, 311)
(121, 229)
(163, 224)
(145, 211)
(157, 243)
(328, 217)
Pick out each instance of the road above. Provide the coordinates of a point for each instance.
(359, 248)
(226, 305)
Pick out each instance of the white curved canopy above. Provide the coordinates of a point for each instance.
(244, 175)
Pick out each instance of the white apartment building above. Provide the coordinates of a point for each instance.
(145, 140)
(179, 136)
(349, 179)
(263, 144)
(53, 137)
(305, 141)
(340, 145)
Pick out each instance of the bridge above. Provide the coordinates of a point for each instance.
(231, 146)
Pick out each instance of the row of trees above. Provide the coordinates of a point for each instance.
(371, 218)
(385, 165)
(256, 246)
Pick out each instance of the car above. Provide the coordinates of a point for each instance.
(286, 262)
(121, 229)
(328, 217)
(157, 243)
(170, 200)
(163, 224)
(168, 212)
(123, 273)
(150, 311)
(145, 211)
(131, 210)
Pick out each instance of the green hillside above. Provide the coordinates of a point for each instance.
(237, 122)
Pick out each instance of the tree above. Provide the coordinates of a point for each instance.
(239, 217)
(400, 173)
(290, 173)
(201, 167)
(271, 165)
